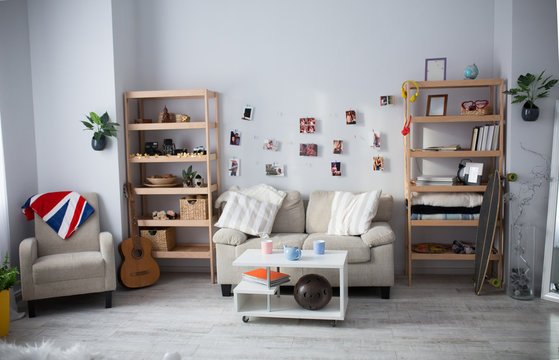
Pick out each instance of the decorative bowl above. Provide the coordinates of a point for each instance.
(162, 179)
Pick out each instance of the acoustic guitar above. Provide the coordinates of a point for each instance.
(138, 268)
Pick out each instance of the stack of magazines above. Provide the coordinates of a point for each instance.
(259, 276)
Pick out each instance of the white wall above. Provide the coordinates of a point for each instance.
(533, 49)
(293, 59)
(72, 64)
(16, 112)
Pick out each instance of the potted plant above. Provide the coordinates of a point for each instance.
(101, 127)
(529, 90)
(188, 176)
(8, 278)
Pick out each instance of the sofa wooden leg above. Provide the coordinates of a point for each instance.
(225, 289)
(31, 308)
(385, 292)
(108, 299)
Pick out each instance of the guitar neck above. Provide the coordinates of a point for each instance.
(134, 233)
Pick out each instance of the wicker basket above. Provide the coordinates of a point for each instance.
(161, 239)
(488, 110)
(194, 207)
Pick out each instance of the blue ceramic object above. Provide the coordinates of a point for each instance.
(471, 72)
(291, 253)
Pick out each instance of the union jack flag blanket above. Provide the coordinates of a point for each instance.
(64, 211)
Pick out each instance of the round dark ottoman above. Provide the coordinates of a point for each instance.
(312, 292)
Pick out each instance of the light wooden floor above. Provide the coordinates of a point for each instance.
(437, 318)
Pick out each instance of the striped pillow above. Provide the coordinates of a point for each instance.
(352, 213)
(248, 215)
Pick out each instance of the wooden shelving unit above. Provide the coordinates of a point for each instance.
(496, 88)
(182, 250)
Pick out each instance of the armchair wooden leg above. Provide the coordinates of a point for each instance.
(31, 308)
(108, 299)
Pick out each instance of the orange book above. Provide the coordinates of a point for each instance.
(259, 275)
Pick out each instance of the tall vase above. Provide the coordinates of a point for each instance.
(522, 248)
(4, 312)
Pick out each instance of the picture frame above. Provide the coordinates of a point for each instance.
(234, 167)
(473, 173)
(435, 69)
(436, 105)
(247, 113)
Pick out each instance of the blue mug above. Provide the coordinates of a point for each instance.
(291, 253)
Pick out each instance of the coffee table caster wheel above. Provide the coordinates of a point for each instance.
(333, 323)
(245, 319)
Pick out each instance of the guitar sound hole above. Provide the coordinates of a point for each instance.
(137, 253)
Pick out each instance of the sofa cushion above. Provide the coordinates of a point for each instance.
(352, 213)
(69, 266)
(379, 234)
(320, 206)
(289, 239)
(291, 215)
(229, 237)
(248, 215)
(357, 250)
(318, 211)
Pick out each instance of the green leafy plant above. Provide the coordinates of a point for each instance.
(8, 275)
(100, 125)
(531, 88)
(188, 174)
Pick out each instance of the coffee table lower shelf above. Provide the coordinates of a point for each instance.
(283, 306)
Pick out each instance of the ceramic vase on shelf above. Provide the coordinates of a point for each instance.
(530, 113)
(521, 262)
(98, 145)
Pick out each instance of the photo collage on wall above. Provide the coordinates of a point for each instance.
(307, 125)
(378, 161)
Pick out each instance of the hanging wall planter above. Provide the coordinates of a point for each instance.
(101, 127)
(529, 89)
(530, 113)
(98, 145)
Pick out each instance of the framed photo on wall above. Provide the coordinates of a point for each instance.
(435, 69)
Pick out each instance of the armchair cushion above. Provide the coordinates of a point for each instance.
(357, 250)
(69, 266)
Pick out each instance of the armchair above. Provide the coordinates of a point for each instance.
(51, 266)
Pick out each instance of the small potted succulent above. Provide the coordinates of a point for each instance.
(529, 90)
(8, 278)
(101, 127)
(188, 175)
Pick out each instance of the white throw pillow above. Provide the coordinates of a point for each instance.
(352, 213)
(248, 215)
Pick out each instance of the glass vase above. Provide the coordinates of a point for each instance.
(522, 248)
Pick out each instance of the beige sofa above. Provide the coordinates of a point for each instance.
(370, 256)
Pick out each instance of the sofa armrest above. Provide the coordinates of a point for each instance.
(107, 250)
(229, 237)
(379, 234)
(27, 257)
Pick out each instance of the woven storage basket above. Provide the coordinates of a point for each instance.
(488, 110)
(194, 207)
(161, 239)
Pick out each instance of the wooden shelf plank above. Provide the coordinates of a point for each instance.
(449, 256)
(170, 159)
(455, 119)
(444, 223)
(179, 190)
(184, 251)
(448, 188)
(171, 126)
(449, 154)
(443, 84)
(146, 221)
(170, 94)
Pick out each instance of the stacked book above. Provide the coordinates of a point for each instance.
(426, 180)
(485, 138)
(259, 276)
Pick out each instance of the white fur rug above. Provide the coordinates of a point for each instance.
(47, 351)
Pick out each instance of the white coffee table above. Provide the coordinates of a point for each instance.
(253, 299)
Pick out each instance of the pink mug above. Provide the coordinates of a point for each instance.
(266, 246)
